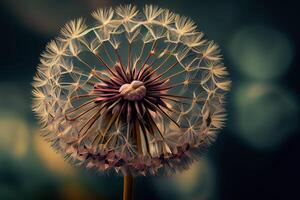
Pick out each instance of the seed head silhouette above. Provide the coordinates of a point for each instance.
(132, 92)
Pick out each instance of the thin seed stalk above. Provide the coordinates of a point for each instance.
(128, 188)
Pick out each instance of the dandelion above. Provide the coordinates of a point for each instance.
(135, 93)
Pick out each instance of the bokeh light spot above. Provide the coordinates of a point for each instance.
(14, 135)
(199, 182)
(51, 159)
(260, 52)
(265, 114)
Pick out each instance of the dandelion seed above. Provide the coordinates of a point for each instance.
(139, 93)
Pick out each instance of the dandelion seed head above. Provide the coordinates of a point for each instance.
(138, 93)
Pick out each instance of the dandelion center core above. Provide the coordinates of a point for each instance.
(135, 91)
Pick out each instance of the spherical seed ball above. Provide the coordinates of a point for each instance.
(137, 93)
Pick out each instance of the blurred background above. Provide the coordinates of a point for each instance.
(255, 157)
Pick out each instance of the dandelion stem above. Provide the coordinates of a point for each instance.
(138, 137)
(128, 188)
